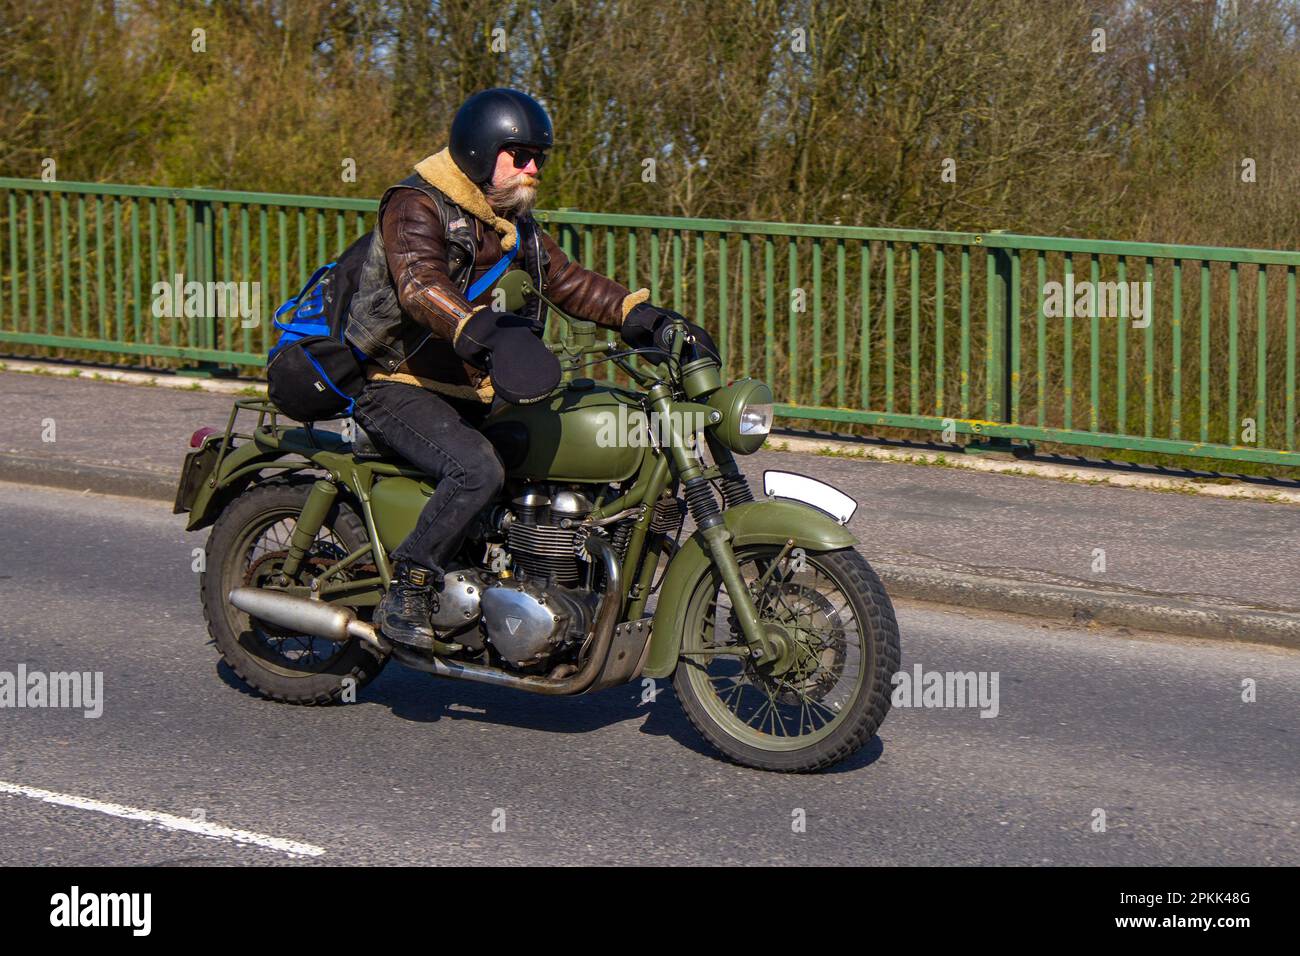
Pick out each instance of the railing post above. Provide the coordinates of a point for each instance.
(998, 371)
(999, 335)
(202, 257)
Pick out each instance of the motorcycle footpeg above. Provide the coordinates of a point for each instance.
(427, 646)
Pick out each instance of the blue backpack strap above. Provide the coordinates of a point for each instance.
(302, 328)
(491, 276)
(315, 277)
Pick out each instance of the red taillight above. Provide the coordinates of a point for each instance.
(200, 436)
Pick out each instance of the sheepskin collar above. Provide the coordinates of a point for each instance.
(441, 171)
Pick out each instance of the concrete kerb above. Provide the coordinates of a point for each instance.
(83, 476)
(97, 373)
(1086, 605)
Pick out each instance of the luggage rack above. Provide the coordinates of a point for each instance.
(269, 424)
(272, 431)
(266, 409)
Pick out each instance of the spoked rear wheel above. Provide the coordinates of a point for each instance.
(830, 690)
(247, 548)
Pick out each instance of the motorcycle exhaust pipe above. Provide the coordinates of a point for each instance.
(331, 622)
(334, 623)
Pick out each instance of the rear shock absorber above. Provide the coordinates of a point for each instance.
(308, 525)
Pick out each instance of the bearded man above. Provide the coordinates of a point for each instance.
(438, 355)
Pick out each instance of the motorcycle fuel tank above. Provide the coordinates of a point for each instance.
(580, 433)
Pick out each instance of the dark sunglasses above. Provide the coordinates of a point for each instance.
(522, 154)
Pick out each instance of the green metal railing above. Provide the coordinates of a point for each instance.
(921, 330)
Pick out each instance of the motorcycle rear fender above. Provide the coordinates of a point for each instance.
(235, 473)
(756, 522)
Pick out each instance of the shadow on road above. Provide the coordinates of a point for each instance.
(421, 698)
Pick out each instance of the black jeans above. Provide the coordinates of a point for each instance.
(439, 435)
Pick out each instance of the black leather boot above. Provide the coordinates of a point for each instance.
(403, 613)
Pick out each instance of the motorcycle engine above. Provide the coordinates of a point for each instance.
(541, 532)
(529, 624)
(540, 608)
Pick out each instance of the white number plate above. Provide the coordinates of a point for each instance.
(828, 498)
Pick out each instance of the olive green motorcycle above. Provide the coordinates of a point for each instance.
(778, 636)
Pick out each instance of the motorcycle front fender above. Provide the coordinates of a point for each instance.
(756, 522)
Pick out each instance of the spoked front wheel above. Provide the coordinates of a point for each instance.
(827, 693)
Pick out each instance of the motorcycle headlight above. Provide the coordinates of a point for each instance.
(746, 408)
(756, 419)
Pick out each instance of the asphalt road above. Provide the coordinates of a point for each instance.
(1151, 730)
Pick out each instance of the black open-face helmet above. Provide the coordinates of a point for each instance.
(491, 119)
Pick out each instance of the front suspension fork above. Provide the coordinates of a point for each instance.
(713, 532)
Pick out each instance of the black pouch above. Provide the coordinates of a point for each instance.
(312, 374)
(314, 378)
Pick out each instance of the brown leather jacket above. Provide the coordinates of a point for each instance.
(414, 238)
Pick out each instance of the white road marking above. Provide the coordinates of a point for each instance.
(167, 821)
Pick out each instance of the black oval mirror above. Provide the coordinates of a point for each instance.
(512, 291)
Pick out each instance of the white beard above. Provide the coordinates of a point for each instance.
(517, 197)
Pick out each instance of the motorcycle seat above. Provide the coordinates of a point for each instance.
(368, 447)
(510, 439)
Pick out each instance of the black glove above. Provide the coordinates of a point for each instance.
(523, 369)
(648, 326)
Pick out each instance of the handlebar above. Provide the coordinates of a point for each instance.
(581, 341)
